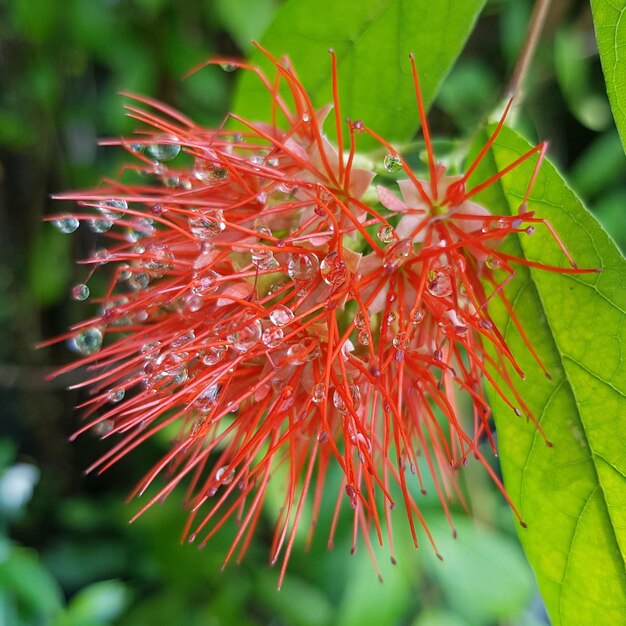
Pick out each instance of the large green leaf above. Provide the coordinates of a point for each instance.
(609, 18)
(372, 39)
(572, 496)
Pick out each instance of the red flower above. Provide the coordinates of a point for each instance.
(251, 307)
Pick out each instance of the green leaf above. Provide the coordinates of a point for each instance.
(609, 18)
(245, 19)
(505, 584)
(572, 496)
(372, 40)
(25, 579)
(100, 602)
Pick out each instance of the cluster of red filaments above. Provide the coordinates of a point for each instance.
(284, 326)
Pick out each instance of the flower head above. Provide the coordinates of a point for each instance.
(262, 305)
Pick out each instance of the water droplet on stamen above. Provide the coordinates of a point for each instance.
(333, 270)
(111, 208)
(281, 315)
(395, 253)
(213, 354)
(89, 341)
(116, 395)
(263, 258)
(243, 339)
(80, 291)
(158, 259)
(416, 316)
(493, 263)
(207, 399)
(140, 227)
(193, 303)
(392, 163)
(340, 404)
(206, 284)
(225, 476)
(272, 337)
(439, 284)
(364, 338)
(400, 341)
(66, 224)
(386, 233)
(98, 226)
(139, 280)
(303, 267)
(208, 225)
(163, 151)
(318, 394)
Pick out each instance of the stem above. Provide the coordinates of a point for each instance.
(537, 21)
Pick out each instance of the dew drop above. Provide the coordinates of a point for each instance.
(272, 337)
(116, 395)
(193, 303)
(333, 270)
(207, 225)
(439, 284)
(112, 209)
(224, 475)
(89, 341)
(213, 354)
(124, 272)
(80, 291)
(99, 225)
(493, 263)
(139, 280)
(207, 399)
(416, 315)
(257, 159)
(265, 232)
(66, 224)
(104, 427)
(206, 284)
(395, 252)
(163, 151)
(158, 258)
(263, 258)
(140, 227)
(400, 341)
(364, 338)
(318, 394)
(281, 315)
(150, 350)
(392, 163)
(228, 67)
(243, 339)
(303, 267)
(208, 172)
(386, 233)
(339, 403)
(359, 320)
(180, 340)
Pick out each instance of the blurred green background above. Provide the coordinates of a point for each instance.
(68, 557)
